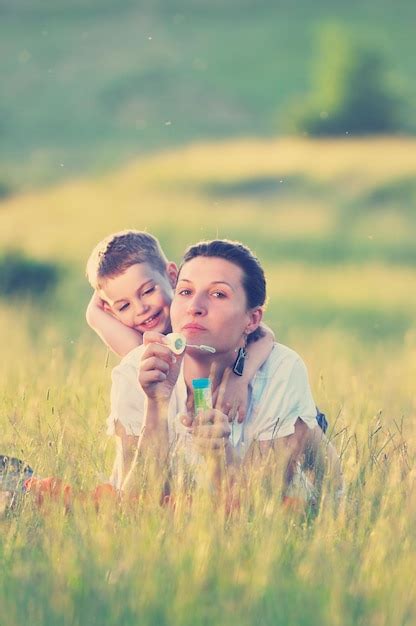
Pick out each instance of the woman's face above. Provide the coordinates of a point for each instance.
(210, 305)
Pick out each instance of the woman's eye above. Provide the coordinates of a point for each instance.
(184, 292)
(150, 290)
(218, 294)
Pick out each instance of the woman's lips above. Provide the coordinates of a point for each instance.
(195, 327)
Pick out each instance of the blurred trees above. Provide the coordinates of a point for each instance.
(352, 92)
(23, 276)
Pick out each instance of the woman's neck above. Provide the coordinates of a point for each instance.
(207, 366)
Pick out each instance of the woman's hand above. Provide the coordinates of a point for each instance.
(159, 367)
(210, 429)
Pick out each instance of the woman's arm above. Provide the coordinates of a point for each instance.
(158, 373)
(306, 449)
(119, 338)
(323, 457)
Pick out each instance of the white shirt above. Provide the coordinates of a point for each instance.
(278, 394)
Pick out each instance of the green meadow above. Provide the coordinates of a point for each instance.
(334, 222)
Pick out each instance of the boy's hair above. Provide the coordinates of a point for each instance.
(119, 251)
(254, 281)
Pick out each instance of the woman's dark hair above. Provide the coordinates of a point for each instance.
(254, 281)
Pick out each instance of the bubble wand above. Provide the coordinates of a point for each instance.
(177, 343)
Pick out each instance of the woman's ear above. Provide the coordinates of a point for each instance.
(255, 317)
(172, 272)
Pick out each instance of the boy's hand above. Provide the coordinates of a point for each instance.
(97, 301)
(99, 304)
(116, 335)
(95, 309)
(231, 397)
(159, 367)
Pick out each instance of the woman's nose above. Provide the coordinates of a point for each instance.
(197, 306)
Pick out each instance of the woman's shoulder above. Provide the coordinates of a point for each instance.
(282, 359)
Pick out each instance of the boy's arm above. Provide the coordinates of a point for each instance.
(232, 397)
(119, 338)
(258, 352)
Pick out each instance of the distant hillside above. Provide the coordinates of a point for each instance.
(333, 221)
(89, 83)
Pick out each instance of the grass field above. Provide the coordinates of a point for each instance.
(334, 223)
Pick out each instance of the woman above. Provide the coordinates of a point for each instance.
(218, 302)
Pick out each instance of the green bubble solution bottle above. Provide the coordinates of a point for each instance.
(202, 393)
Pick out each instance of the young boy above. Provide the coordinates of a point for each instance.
(133, 286)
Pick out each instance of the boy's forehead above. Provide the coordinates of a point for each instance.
(131, 279)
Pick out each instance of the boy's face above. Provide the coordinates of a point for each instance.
(140, 297)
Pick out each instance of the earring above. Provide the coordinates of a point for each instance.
(238, 366)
